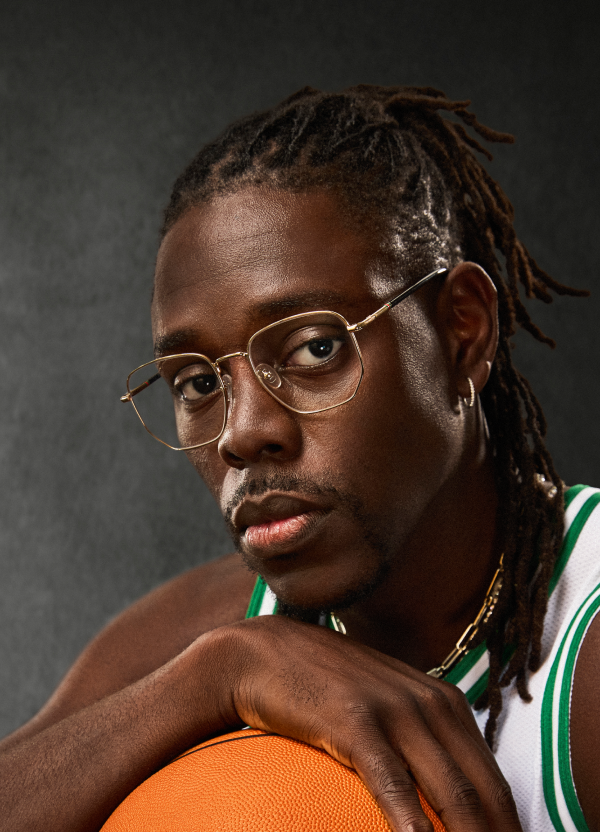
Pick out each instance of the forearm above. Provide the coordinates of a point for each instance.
(71, 776)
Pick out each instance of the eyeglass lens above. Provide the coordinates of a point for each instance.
(185, 405)
(308, 362)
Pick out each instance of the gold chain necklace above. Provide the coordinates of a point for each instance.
(463, 645)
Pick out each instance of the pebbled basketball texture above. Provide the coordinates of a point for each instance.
(251, 781)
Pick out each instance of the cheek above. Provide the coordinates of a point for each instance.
(400, 436)
(210, 466)
(383, 447)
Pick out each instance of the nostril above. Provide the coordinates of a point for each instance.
(233, 459)
(273, 450)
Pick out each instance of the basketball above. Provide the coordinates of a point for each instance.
(251, 781)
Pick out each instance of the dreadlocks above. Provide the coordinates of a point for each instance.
(388, 153)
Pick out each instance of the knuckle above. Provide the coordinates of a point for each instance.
(437, 699)
(357, 736)
(393, 788)
(415, 821)
(399, 796)
(464, 796)
(359, 714)
(412, 823)
(456, 696)
(388, 780)
(503, 799)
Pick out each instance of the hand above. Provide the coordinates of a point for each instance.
(377, 715)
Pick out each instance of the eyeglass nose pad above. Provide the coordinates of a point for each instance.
(228, 385)
(268, 375)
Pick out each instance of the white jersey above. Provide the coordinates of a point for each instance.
(533, 743)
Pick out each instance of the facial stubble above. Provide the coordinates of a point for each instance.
(378, 548)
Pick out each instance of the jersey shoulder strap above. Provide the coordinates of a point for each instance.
(471, 674)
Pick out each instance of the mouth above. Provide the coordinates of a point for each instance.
(277, 524)
(281, 535)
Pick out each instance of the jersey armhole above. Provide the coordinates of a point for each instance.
(557, 776)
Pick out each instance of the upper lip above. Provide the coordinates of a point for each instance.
(272, 506)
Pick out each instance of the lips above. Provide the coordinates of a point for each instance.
(277, 523)
(278, 532)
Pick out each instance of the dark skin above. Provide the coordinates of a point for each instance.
(182, 664)
(420, 428)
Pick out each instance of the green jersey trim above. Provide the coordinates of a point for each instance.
(557, 776)
(572, 535)
(473, 684)
(258, 593)
(472, 672)
(571, 493)
(466, 664)
(264, 602)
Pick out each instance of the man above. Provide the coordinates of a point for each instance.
(332, 324)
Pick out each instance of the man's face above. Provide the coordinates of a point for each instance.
(320, 504)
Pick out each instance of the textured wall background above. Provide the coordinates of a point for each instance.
(102, 104)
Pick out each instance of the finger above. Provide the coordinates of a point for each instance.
(456, 699)
(479, 769)
(449, 791)
(452, 763)
(392, 787)
(473, 785)
(456, 696)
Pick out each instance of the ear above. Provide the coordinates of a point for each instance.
(468, 309)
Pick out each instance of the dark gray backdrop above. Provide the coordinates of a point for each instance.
(102, 105)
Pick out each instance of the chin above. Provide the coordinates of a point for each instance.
(342, 598)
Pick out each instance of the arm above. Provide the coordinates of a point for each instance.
(69, 770)
(121, 710)
(146, 636)
(585, 726)
(71, 775)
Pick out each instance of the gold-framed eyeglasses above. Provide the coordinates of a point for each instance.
(309, 363)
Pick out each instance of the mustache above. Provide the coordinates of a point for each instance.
(258, 486)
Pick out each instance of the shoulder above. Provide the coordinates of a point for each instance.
(150, 633)
(572, 695)
(585, 725)
(170, 617)
(545, 745)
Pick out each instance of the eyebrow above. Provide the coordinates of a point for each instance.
(173, 343)
(181, 339)
(307, 300)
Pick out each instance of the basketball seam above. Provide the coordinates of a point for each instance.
(222, 742)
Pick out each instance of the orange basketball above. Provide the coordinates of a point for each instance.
(250, 781)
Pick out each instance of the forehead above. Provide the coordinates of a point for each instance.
(232, 265)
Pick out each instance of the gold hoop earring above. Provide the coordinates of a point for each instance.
(471, 400)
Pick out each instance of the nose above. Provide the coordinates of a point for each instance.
(259, 428)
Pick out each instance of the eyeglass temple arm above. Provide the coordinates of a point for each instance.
(129, 396)
(354, 328)
(395, 301)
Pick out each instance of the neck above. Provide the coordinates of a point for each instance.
(437, 584)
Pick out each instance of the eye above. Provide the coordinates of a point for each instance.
(195, 383)
(315, 352)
